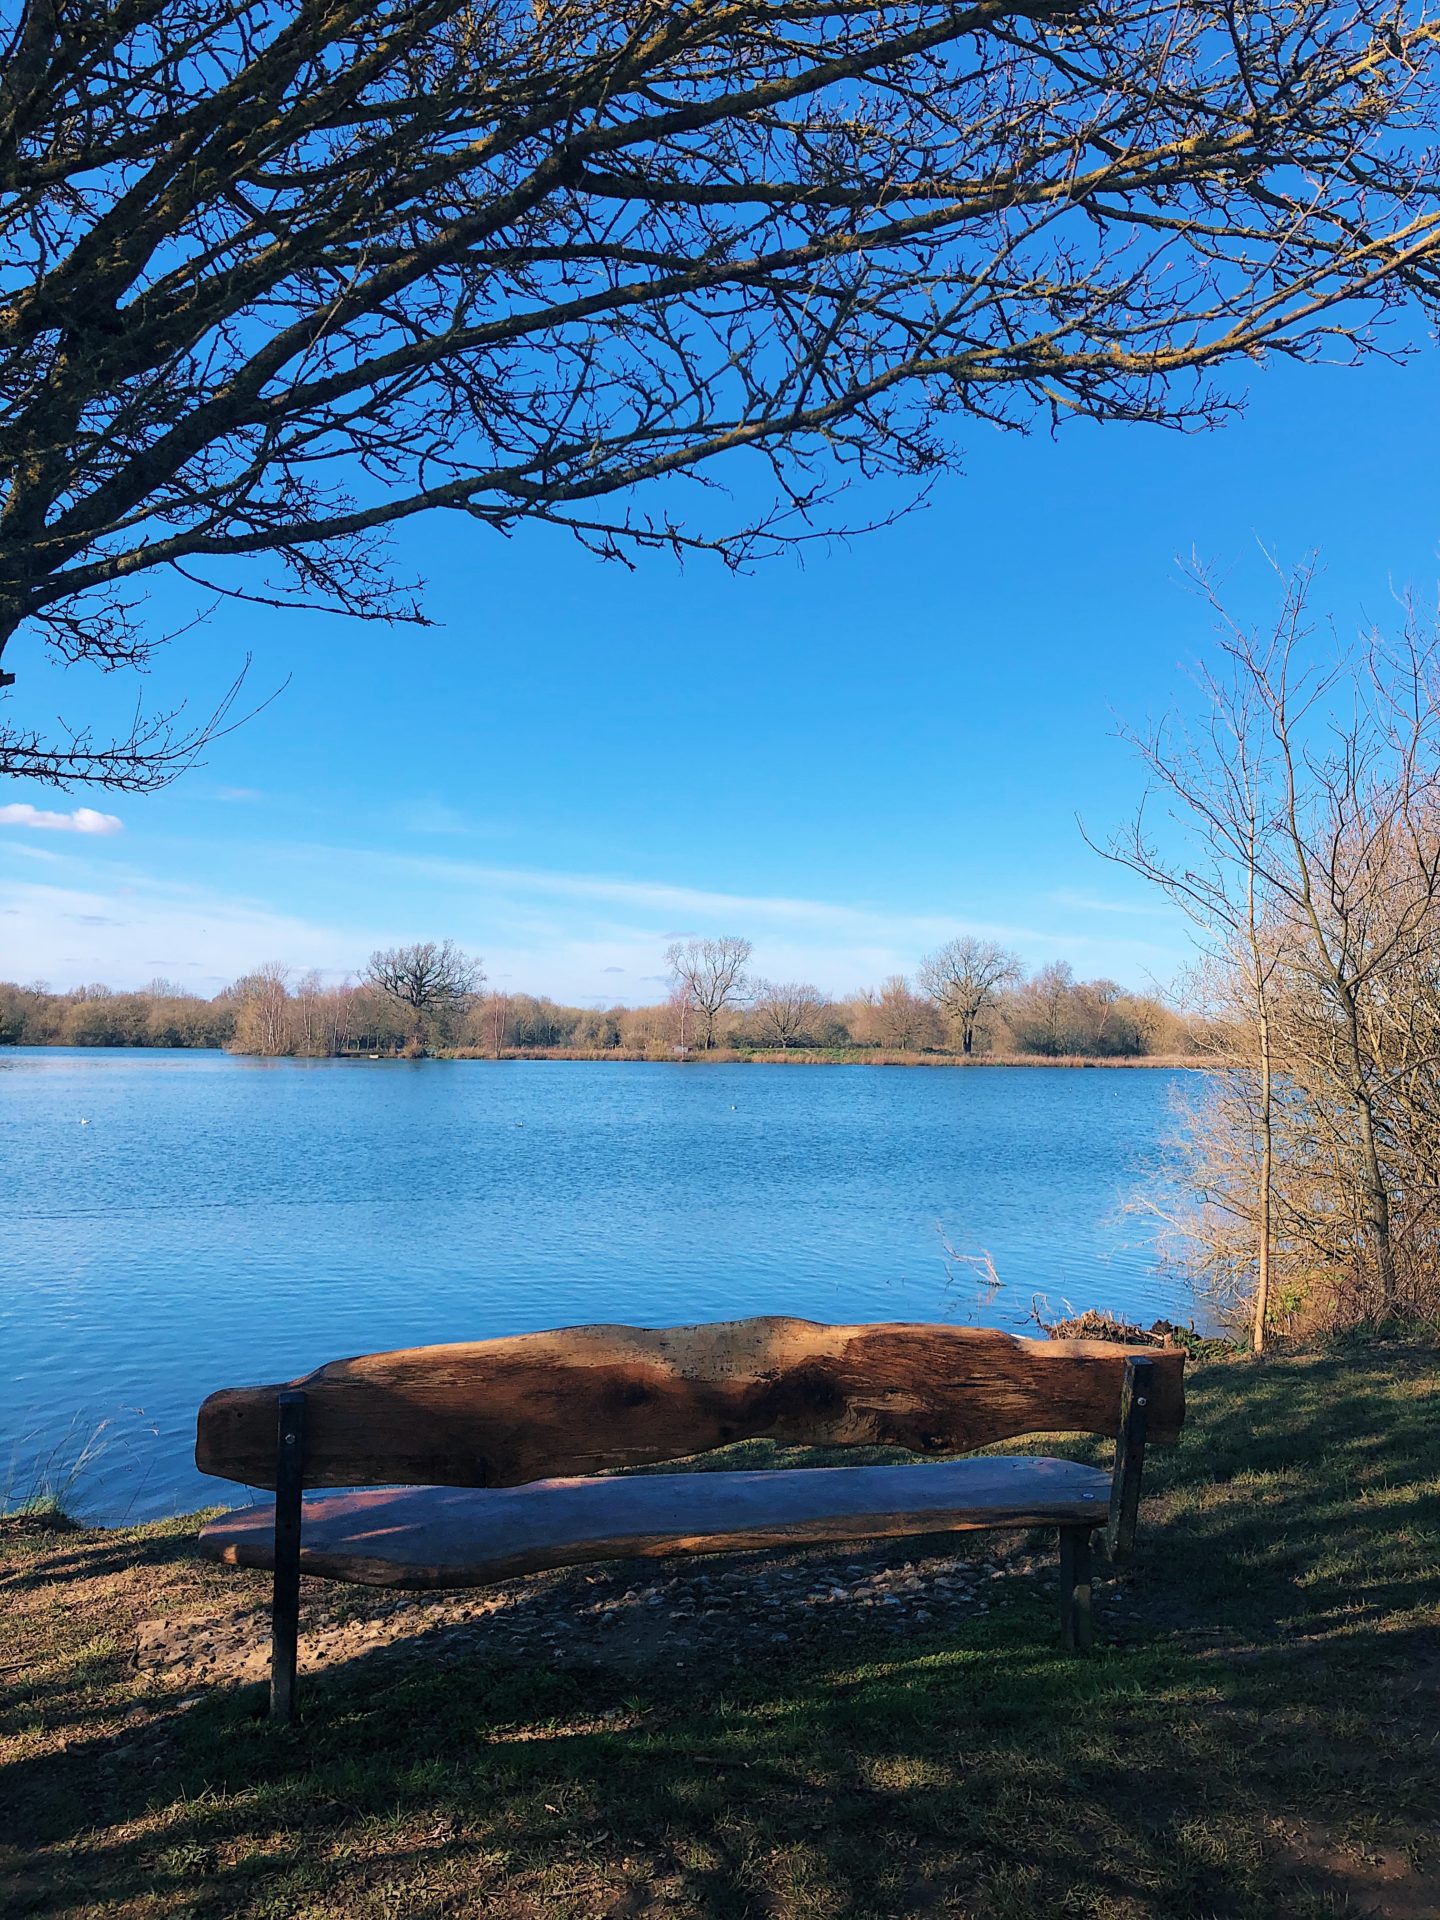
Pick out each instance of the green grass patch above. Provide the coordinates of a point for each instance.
(1255, 1738)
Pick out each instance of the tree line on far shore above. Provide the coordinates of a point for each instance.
(972, 998)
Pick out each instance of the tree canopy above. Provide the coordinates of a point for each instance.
(428, 977)
(280, 273)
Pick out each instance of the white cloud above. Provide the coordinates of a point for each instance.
(424, 815)
(430, 816)
(712, 911)
(1088, 903)
(45, 854)
(621, 906)
(209, 938)
(574, 935)
(562, 932)
(78, 820)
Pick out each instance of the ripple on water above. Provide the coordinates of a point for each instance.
(219, 1220)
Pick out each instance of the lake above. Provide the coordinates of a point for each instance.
(179, 1221)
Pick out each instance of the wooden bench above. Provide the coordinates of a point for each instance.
(480, 1461)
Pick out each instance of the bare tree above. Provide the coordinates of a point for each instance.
(1309, 804)
(710, 975)
(264, 1022)
(493, 1020)
(312, 1034)
(1042, 1015)
(900, 1018)
(1361, 883)
(344, 1006)
(1219, 784)
(282, 273)
(787, 1011)
(680, 1006)
(431, 980)
(964, 978)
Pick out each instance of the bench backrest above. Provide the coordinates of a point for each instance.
(496, 1413)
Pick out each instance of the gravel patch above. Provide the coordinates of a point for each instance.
(714, 1610)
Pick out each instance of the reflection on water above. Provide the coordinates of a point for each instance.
(176, 1222)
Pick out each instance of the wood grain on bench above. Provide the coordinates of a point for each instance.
(497, 1413)
(449, 1537)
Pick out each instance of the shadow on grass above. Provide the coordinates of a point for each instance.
(127, 1551)
(1286, 1606)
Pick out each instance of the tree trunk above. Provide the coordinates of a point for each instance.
(1377, 1203)
(1261, 1302)
(1372, 1185)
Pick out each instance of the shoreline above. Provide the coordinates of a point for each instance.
(718, 1057)
(815, 1057)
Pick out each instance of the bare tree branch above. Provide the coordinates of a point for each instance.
(708, 976)
(279, 274)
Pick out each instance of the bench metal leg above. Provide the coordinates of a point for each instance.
(285, 1595)
(1077, 1622)
(1129, 1459)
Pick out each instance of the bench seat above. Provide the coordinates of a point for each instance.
(424, 1537)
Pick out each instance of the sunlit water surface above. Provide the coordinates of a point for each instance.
(176, 1222)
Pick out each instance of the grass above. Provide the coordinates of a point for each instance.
(1258, 1740)
(51, 1480)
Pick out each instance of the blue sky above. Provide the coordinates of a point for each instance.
(848, 760)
